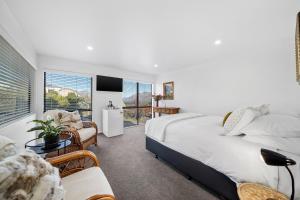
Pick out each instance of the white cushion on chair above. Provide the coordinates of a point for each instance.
(86, 133)
(52, 114)
(86, 183)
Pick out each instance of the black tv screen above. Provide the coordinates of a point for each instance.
(112, 84)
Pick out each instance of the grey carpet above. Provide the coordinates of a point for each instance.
(134, 173)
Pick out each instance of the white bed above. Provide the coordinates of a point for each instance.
(238, 157)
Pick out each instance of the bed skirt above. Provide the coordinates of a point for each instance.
(214, 181)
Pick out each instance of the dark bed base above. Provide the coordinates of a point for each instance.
(216, 182)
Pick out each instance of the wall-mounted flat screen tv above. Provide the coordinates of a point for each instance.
(112, 84)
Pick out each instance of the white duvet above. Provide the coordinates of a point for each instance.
(238, 157)
(157, 126)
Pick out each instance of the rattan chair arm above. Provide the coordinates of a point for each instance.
(76, 155)
(87, 124)
(102, 197)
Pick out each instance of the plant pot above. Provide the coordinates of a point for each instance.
(51, 141)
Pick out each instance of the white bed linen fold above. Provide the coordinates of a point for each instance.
(289, 145)
(157, 126)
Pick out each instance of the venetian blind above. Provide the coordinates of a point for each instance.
(16, 82)
(68, 92)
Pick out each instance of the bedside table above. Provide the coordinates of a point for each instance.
(253, 191)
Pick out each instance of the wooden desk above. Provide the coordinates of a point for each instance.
(165, 110)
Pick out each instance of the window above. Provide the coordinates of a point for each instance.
(68, 92)
(16, 82)
(137, 98)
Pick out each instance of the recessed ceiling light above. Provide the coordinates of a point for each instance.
(218, 42)
(90, 48)
(156, 65)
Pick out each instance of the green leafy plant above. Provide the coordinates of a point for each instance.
(47, 127)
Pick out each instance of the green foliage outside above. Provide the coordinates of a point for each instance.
(65, 101)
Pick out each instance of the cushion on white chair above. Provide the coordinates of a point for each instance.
(68, 119)
(75, 116)
(53, 114)
(86, 133)
(86, 183)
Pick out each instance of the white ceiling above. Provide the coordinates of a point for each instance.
(136, 34)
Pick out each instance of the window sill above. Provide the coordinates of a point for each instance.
(18, 120)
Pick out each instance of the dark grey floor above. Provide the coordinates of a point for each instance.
(134, 174)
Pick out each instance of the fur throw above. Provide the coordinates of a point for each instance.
(27, 176)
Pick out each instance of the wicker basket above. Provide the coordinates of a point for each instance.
(252, 191)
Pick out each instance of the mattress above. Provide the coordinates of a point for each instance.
(202, 138)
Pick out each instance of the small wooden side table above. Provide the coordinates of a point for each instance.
(165, 110)
(253, 191)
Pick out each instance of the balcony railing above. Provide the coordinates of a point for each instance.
(136, 115)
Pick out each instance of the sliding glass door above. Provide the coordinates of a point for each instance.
(144, 102)
(137, 99)
(130, 103)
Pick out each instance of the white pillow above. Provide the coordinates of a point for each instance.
(274, 125)
(248, 116)
(234, 119)
(263, 109)
(242, 117)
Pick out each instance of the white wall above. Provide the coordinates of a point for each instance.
(100, 99)
(13, 33)
(224, 83)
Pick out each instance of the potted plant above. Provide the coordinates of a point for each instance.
(49, 131)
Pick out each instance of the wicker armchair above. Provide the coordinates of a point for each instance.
(82, 177)
(80, 139)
